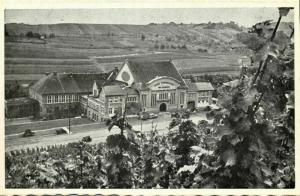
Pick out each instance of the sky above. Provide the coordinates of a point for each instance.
(243, 16)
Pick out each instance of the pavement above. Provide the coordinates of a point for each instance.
(20, 125)
(97, 131)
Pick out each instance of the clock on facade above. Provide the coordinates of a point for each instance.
(125, 76)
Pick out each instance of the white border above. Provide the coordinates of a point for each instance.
(94, 4)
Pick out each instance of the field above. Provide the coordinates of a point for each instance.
(99, 48)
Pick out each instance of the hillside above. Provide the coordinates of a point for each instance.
(202, 37)
(33, 50)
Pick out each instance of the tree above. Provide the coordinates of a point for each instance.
(256, 139)
(29, 34)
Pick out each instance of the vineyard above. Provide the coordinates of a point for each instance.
(250, 143)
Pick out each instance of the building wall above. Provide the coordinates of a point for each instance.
(57, 106)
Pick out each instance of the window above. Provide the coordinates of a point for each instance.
(131, 99)
(59, 98)
(172, 98)
(69, 98)
(144, 100)
(181, 97)
(73, 98)
(55, 98)
(163, 96)
(153, 100)
(49, 99)
(95, 92)
(63, 98)
(110, 111)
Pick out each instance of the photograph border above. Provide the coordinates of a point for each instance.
(94, 4)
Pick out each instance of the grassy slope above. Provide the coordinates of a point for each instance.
(81, 47)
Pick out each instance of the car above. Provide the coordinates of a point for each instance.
(175, 115)
(147, 115)
(28, 133)
(86, 139)
(62, 130)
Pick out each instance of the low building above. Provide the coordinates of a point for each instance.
(199, 94)
(110, 101)
(59, 94)
(21, 107)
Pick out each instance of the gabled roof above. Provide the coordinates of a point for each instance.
(200, 86)
(56, 83)
(115, 90)
(144, 71)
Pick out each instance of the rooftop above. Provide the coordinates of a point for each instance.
(200, 86)
(145, 71)
(116, 90)
(56, 83)
(20, 101)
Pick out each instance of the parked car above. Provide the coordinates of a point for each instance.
(175, 115)
(87, 139)
(28, 133)
(184, 114)
(147, 115)
(63, 130)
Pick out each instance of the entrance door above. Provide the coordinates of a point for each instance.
(191, 105)
(163, 107)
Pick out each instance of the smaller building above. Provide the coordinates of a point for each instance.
(199, 94)
(21, 107)
(110, 101)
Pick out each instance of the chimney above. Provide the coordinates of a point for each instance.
(116, 70)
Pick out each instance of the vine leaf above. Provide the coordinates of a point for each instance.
(229, 157)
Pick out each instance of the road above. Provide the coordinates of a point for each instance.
(20, 125)
(98, 132)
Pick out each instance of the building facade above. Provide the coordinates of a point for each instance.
(59, 94)
(145, 86)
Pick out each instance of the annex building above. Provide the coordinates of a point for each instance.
(154, 86)
(59, 94)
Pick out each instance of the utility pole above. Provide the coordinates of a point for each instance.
(69, 101)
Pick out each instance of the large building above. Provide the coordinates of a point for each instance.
(146, 86)
(59, 94)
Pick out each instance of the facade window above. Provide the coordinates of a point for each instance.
(59, 98)
(153, 100)
(69, 98)
(95, 92)
(181, 97)
(115, 100)
(110, 110)
(163, 96)
(55, 98)
(63, 98)
(131, 99)
(172, 101)
(144, 100)
(49, 99)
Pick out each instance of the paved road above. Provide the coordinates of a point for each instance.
(98, 133)
(20, 126)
